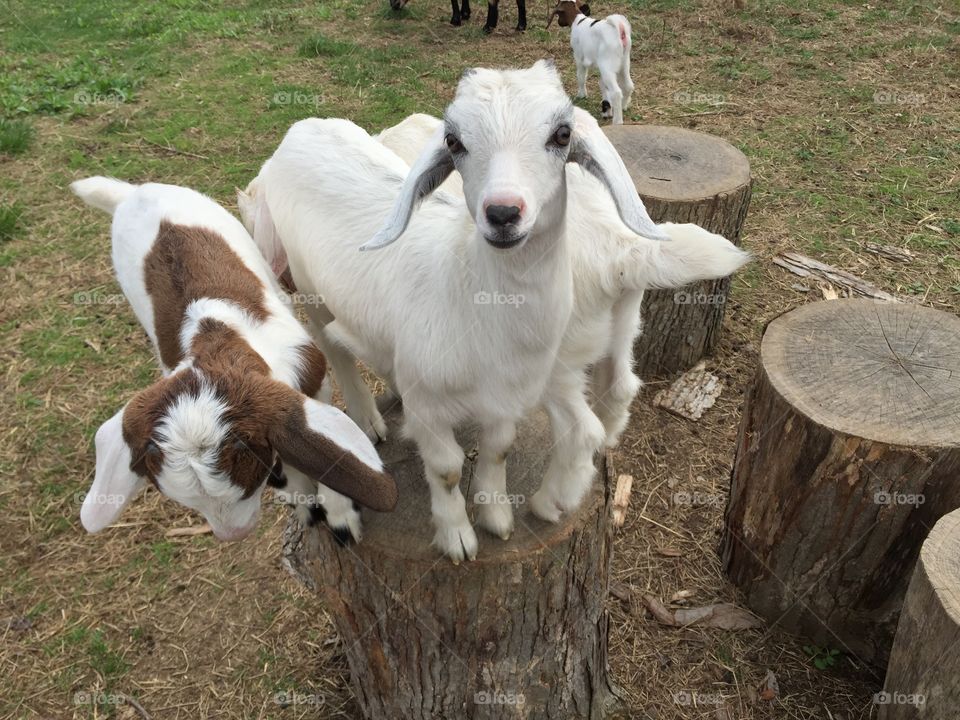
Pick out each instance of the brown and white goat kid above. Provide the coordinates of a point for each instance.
(239, 374)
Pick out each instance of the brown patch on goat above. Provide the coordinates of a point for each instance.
(143, 413)
(313, 369)
(188, 263)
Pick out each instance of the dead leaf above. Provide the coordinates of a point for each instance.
(658, 610)
(93, 345)
(770, 690)
(722, 615)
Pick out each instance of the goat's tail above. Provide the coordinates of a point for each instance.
(691, 254)
(256, 217)
(102, 192)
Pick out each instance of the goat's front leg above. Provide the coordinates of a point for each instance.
(495, 513)
(577, 435)
(493, 14)
(465, 10)
(457, 17)
(443, 466)
(316, 504)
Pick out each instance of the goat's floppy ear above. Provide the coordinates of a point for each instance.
(322, 442)
(114, 483)
(259, 223)
(594, 152)
(431, 168)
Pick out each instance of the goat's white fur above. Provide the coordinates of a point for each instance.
(612, 266)
(193, 427)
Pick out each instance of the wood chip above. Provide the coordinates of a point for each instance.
(722, 615)
(621, 499)
(669, 552)
(188, 531)
(658, 610)
(681, 596)
(829, 292)
(808, 267)
(692, 393)
(621, 591)
(890, 252)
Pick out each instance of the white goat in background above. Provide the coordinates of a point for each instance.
(612, 266)
(411, 312)
(604, 44)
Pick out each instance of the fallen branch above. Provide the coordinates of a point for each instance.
(808, 267)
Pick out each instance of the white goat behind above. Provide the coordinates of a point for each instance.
(612, 266)
(603, 44)
(238, 373)
(423, 314)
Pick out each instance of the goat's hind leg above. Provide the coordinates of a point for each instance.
(577, 435)
(493, 15)
(521, 15)
(612, 95)
(458, 17)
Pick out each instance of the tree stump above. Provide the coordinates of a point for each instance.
(521, 632)
(684, 176)
(848, 453)
(923, 678)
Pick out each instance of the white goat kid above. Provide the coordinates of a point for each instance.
(416, 313)
(604, 44)
(612, 266)
(238, 370)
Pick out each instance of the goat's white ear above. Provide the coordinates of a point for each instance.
(322, 442)
(114, 483)
(594, 152)
(432, 167)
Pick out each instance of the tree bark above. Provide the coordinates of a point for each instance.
(684, 176)
(521, 632)
(923, 678)
(848, 452)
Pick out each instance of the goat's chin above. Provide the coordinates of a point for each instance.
(506, 241)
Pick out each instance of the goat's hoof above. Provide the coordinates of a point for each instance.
(456, 20)
(465, 14)
(497, 519)
(606, 111)
(487, 29)
(545, 507)
(458, 543)
(521, 27)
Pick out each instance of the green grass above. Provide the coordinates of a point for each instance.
(9, 221)
(15, 136)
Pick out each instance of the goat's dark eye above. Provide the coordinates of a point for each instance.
(561, 136)
(453, 142)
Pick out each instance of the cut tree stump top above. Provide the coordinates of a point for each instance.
(408, 531)
(887, 372)
(675, 164)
